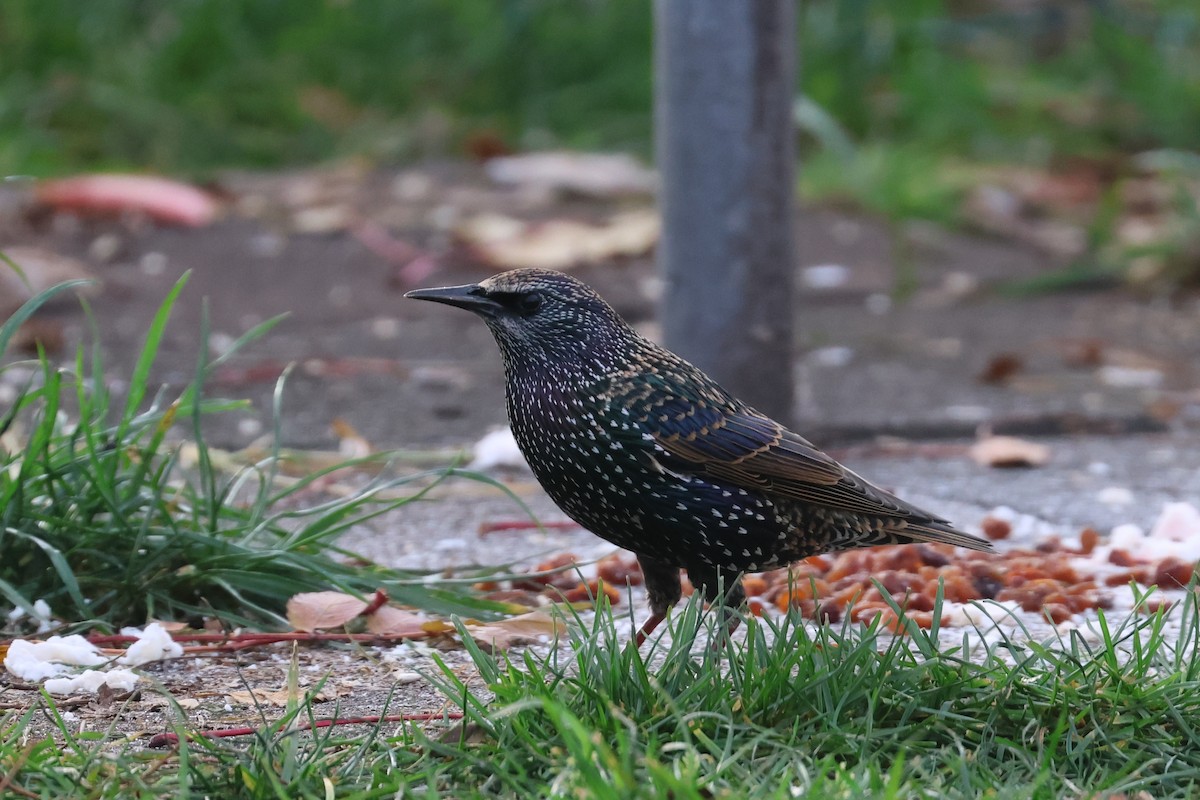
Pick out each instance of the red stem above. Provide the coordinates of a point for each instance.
(241, 640)
(377, 602)
(524, 525)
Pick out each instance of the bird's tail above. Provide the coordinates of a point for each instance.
(941, 533)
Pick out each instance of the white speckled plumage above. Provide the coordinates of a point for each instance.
(645, 450)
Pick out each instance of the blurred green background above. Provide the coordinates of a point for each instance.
(900, 100)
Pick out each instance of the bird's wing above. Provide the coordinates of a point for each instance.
(733, 444)
(745, 448)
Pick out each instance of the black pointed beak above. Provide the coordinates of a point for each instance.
(470, 296)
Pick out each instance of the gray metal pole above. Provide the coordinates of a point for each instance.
(725, 72)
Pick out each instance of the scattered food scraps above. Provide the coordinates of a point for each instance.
(1009, 451)
(41, 615)
(825, 276)
(497, 448)
(35, 661)
(1001, 368)
(995, 528)
(153, 644)
(91, 681)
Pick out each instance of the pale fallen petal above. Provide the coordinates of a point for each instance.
(310, 611)
(502, 241)
(161, 199)
(276, 697)
(536, 627)
(497, 448)
(593, 174)
(392, 621)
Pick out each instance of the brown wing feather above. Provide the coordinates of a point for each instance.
(785, 464)
(753, 451)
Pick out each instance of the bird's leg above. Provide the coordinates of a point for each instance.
(664, 588)
(724, 588)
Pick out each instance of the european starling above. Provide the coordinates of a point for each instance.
(642, 448)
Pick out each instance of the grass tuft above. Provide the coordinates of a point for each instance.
(109, 516)
(793, 710)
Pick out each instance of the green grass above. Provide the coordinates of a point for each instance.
(193, 86)
(100, 517)
(900, 97)
(840, 711)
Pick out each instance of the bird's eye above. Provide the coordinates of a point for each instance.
(529, 303)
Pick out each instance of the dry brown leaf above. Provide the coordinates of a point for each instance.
(169, 627)
(275, 697)
(42, 269)
(437, 627)
(1009, 451)
(591, 174)
(530, 628)
(310, 611)
(159, 701)
(560, 243)
(392, 621)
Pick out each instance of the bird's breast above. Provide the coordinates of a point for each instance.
(603, 474)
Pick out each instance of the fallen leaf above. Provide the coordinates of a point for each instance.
(392, 621)
(437, 627)
(276, 697)
(503, 241)
(161, 199)
(532, 628)
(520, 597)
(42, 269)
(332, 218)
(590, 174)
(310, 611)
(1009, 451)
(169, 627)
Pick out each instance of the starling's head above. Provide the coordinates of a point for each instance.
(538, 314)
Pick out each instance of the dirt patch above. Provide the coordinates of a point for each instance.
(250, 688)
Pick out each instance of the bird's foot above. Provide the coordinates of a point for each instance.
(647, 628)
(724, 633)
